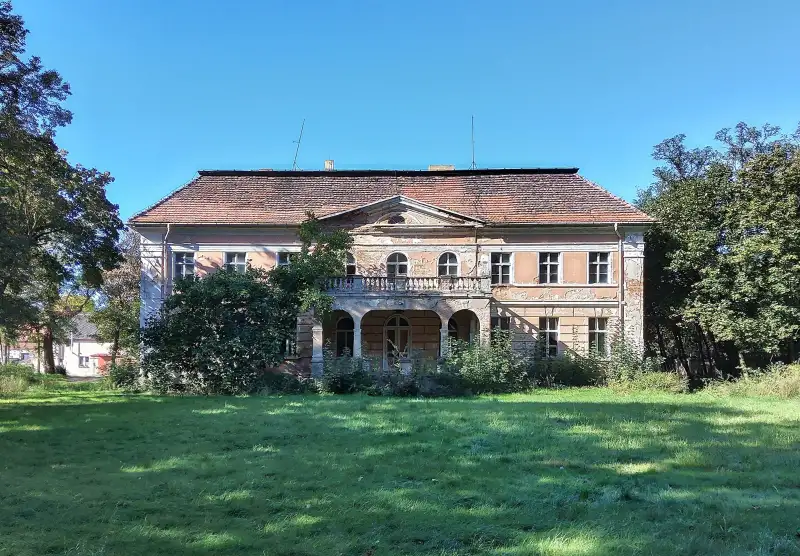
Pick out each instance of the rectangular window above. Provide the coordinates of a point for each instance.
(598, 268)
(83, 361)
(284, 258)
(500, 323)
(236, 262)
(598, 335)
(501, 268)
(548, 336)
(548, 268)
(184, 265)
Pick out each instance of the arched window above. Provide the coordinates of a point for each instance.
(452, 329)
(396, 219)
(448, 264)
(350, 267)
(397, 335)
(397, 265)
(344, 336)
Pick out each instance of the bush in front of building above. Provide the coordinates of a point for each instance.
(125, 375)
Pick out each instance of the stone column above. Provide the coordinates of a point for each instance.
(316, 348)
(444, 342)
(356, 335)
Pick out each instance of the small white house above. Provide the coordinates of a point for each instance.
(83, 355)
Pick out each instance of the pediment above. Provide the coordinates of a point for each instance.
(401, 211)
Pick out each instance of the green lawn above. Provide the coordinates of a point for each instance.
(582, 472)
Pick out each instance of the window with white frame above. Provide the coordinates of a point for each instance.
(548, 268)
(236, 262)
(184, 265)
(350, 268)
(397, 265)
(548, 336)
(448, 264)
(344, 336)
(598, 335)
(284, 258)
(501, 268)
(502, 323)
(599, 268)
(83, 361)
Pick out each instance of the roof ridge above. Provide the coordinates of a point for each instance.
(390, 172)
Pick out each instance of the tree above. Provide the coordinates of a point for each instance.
(721, 274)
(219, 334)
(55, 220)
(117, 306)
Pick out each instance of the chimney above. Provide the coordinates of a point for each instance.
(329, 165)
(441, 167)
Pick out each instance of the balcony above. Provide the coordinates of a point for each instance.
(436, 285)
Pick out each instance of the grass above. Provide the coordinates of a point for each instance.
(572, 472)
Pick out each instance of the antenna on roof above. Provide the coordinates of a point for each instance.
(297, 150)
(473, 145)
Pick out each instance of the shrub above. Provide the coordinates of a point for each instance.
(125, 375)
(628, 370)
(16, 378)
(568, 369)
(12, 383)
(782, 381)
(345, 375)
(286, 383)
(495, 368)
(217, 335)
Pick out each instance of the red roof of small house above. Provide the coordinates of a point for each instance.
(496, 196)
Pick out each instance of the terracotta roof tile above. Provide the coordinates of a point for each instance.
(518, 196)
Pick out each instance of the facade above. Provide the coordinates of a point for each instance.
(437, 254)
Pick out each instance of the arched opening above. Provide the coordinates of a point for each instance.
(397, 265)
(452, 329)
(345, 328)
(397, 339)
(396, 219)
(448, 264)
(466, 326)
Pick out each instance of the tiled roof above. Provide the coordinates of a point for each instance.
(506, 196)
(83, 328)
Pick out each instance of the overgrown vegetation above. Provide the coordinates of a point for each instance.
(782, 381)
(722, 281)
(222, 334)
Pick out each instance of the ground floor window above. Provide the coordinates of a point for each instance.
(598, 335)
(548, 336)
(344, 336)
(500, 323)
(397, 334)
(83, 361)
(452, 329)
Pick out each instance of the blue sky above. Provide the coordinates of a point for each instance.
(164, 88)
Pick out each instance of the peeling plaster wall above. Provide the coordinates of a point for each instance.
(634, 289)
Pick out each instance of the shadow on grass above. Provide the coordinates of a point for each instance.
(353, 475)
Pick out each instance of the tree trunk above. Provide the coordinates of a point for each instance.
(681, 351)
(47, 347)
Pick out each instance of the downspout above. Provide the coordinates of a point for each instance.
(164, 263)
(621, 280)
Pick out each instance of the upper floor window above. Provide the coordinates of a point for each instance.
(184, 265)
(448, 264)
(598, 268)
(548, 336)
(350, 267)
(396, 219)
(236, 262)
(397, 265)
(598, 335)
(548, 268)
(501, 268)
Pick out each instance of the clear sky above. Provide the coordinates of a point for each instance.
(164, 88)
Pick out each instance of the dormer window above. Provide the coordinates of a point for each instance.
(396, 219)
